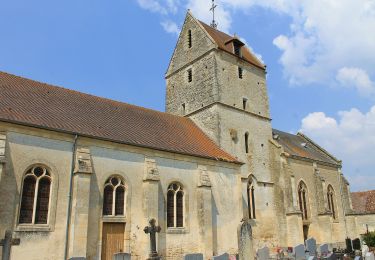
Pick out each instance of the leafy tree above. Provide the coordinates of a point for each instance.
(369, 239)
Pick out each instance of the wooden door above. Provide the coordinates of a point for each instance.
(112, 239)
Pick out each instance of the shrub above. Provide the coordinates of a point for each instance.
(369, 239)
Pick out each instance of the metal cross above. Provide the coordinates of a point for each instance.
(213, 24)
(152, 230)
(7, 243)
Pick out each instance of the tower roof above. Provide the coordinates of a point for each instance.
(28, 102)
(223, 41)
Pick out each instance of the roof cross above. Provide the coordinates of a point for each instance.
(213, 24)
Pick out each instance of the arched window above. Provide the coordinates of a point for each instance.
(175, 205)
(247, 142)
(35, 197)
(114, 197)
(251, 198)
(330, 198)
(303, 199)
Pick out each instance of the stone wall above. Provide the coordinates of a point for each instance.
(212, 211)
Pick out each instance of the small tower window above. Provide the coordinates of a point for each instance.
(237, 49)
(190, 42)
(183, 109)
(244, 103)
(240, 72)
(190, 75)
(247, 142)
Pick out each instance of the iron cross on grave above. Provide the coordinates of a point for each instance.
(7, 243)
(152, 230)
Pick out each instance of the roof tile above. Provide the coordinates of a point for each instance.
(29, 102)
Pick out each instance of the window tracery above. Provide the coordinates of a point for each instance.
(175, 205)
(114, 197)
(35, 197)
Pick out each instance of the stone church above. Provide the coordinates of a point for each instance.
(81, 176)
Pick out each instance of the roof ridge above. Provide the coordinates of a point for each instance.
(90, 95)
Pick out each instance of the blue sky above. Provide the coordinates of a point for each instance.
(320, 63)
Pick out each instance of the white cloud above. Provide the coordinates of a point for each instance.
(170, 27)
(153, 6)
(357, 78)
(326, 36)
(350, 138)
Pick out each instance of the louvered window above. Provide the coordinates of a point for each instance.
(190, 42)
(175, 205)
(114, 197)
(240, 72)
(35, 197)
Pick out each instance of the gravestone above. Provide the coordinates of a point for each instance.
(358, 257)
(356, 244)
(323, 249)
(330, 256)
(122, 256)
(299, 252)
(224, 256)
(193, 257)
(245, 241)
(311, 246)
(370, 256)
(263, 253)
(78, 258)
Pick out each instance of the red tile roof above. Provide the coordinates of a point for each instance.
(298, 145)
(363, 202)
(222, 40)
(32, 103)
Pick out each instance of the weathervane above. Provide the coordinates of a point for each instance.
(213, 24)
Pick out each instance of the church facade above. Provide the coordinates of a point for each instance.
(81, 176)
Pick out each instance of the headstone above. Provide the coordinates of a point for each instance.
(358, 257)
(122, 256)
(245, 241)
(356, 244)
(323, 249)
(78, 258)
(311, 257)
(365, 249)
(311, 246)
(224, 256)
(299, 252)
(370, 256)
(263, 253)
(330, 256)
(193, 257)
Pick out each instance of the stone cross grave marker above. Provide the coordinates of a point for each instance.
(7, 244)
(193, 257)
(224, 256)
(311, 246)
(245, 241)
(263, 253)
(152, 230)
(299, 252)
(122, 256)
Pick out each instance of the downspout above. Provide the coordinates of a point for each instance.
(68, 213)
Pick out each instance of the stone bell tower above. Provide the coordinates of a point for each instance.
(215, 80)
